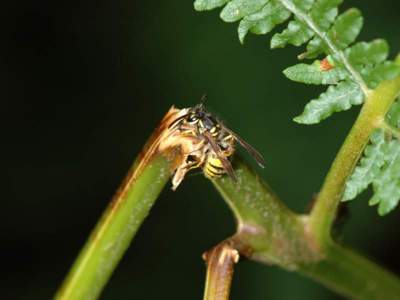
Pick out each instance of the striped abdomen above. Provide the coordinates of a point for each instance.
(213, 167)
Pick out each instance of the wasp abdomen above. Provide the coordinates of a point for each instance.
(213, 168)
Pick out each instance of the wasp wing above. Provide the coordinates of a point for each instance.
(217, 150)
(249, 148)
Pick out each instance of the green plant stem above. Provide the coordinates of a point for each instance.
(371, 116)
(115, 231)
(265, 226)
(270, 233)
(353, 276)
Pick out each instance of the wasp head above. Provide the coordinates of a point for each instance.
(196, 114)
(203, 120)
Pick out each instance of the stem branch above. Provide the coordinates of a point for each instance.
(371, 116)
(271, 234)
(353, 276)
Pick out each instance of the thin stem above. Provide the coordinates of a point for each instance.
(220, 262)
(371, 116)
(353, 276)
(323, 36)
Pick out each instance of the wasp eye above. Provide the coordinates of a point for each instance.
(192, 118)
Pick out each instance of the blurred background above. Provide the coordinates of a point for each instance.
(84, 83)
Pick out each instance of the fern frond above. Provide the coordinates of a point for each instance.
(380, 166)
(316, 73)
(369, 166)
(237, 9)
(208, 4)
(393, 116)
(387, 184)
(327, 34)
(337, 98)
(349, 68)
(263, 21)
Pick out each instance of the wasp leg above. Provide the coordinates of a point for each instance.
(187, 131)
(183, 169)
(192, 160)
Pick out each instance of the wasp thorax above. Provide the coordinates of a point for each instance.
(204, 142)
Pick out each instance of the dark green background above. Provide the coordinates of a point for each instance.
(83, 84)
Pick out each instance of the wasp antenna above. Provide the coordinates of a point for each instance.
(203, 99)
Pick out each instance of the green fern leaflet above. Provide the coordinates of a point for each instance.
(353, 69)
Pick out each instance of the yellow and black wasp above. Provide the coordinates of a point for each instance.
(217, 142)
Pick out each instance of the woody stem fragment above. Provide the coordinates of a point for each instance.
(220, 262)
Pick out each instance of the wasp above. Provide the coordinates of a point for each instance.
(216, 143)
